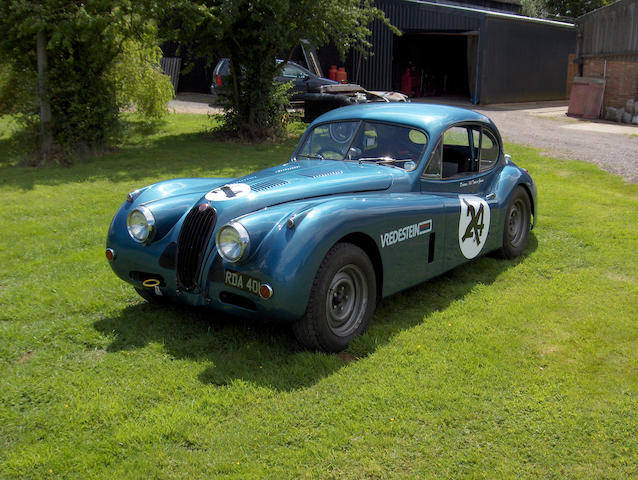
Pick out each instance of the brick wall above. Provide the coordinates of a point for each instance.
(572, 71)
(622, 77)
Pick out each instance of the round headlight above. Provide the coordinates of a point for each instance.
(140, 223)
(232, 241)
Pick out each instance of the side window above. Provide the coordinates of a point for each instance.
(291, 71)
(456, 136)
(433, 168)
(489, 151)
(457, 152)
(463, 150)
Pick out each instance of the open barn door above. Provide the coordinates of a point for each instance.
(436, 64)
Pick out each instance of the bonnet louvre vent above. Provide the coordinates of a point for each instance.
(193, 239)
(320, 173)
(268, 184)
(287, 169)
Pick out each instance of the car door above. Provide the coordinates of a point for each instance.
(462, 169)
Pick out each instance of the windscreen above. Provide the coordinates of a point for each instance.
(364, 141)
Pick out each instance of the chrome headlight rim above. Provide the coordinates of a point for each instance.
(243, 241)
(150, 224)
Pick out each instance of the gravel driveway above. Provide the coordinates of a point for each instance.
(612, 146)
(542, 125)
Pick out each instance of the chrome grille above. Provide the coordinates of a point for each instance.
(194, 237)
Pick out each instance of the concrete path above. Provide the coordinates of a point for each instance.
(194, 103)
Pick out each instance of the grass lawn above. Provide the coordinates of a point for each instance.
(498, 369)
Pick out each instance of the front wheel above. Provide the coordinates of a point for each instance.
(518, 223)
(342, 300)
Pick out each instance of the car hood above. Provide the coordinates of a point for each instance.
(298, 180)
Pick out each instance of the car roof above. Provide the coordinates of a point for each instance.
(429, 117)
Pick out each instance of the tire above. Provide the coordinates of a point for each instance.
(517, 224)
(150, 296)
(342, 300)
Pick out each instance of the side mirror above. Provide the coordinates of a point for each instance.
(354, 153)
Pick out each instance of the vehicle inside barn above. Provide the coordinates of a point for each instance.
(430, 64)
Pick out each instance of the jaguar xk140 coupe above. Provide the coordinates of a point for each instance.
(376, 198)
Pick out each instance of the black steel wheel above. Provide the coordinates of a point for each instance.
(342, 300)
(518, 221)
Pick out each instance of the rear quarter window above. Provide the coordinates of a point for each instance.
(489, 151)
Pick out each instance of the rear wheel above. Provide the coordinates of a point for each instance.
(517, 225)
(342, 300)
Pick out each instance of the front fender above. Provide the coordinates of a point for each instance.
(288, 256)
(168, 201)
(178, 186)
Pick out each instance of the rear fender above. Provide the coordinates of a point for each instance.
(505, 183)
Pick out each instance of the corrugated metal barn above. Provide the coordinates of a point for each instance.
(454, 51)
(608, 48)
(610, 30)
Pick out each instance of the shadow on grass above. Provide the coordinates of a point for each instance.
(265, 353)
(188, 154)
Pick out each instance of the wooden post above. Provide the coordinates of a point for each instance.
(46, 141)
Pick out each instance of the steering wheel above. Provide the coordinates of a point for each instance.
(341, 132)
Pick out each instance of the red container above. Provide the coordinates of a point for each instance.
(342, 76)
(332, 72)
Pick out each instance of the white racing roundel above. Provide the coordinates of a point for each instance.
(228, 192)
(474, 225)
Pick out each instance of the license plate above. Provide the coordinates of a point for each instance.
(242, 282)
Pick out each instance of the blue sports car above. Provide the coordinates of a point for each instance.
(376, 198)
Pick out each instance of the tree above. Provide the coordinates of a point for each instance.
(253, 33)
(560, 8)
(87, 59)
(573, 8)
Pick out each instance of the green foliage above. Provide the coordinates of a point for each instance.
(253, 33)
(17, 87)
(102, 56)
(270, 122)
(573, 8)
(534, 8)
(499, 369)
(560, 8)
(139, 80)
